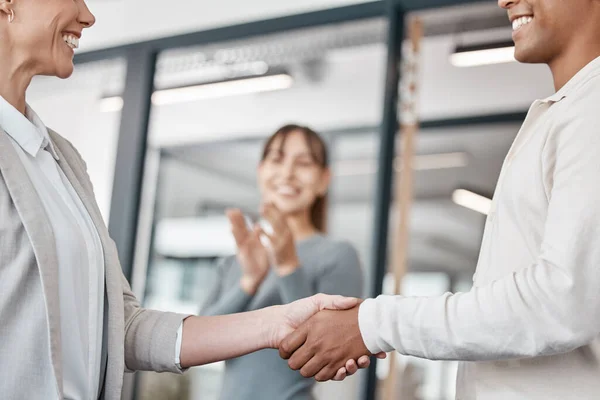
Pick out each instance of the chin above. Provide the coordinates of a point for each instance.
(529, 56)
(64, 72)
(288, 207)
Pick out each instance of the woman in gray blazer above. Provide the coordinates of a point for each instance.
(69, 323)
(293, 261)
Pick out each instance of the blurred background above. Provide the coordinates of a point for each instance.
(170, 142)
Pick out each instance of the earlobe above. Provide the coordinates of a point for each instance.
(5, 8)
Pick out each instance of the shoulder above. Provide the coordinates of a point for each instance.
(581, 104)
(576, 120)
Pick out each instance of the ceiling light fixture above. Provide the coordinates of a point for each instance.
(485, 54)
(472, 201)
(210, 90)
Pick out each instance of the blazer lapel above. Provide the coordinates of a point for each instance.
(75, 172)
(38, 228)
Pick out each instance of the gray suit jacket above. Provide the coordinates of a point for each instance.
(30, 341)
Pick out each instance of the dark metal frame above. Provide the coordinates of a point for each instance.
(131, 154)
(135, 117)
(385, 175)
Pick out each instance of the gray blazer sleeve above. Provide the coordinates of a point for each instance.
(150, 336)
(342, 275)
(226, 296)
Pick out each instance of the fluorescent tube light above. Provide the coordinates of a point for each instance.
(473, 201)
(211, 90)
(421, 162)
(222, 89)
(111, 104)
(471, 56)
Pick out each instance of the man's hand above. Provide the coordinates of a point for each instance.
(293, 315)
(324, 344)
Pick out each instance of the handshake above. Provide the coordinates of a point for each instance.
(320, 337)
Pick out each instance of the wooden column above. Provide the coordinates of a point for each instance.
(409, 126)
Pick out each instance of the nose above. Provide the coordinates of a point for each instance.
(507, 4)
(287, 170)
(86, 18)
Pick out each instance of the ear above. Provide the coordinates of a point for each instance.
(325, 181)
(6, 9)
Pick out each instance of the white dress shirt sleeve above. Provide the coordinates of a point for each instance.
(550, 307)
(178, 346)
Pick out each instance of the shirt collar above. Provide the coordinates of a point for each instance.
(591, 69)
(27, 130)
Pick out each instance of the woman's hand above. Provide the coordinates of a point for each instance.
(283, 247)
(251, 254)
(291, 316)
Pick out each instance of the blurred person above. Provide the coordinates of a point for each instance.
(529, 328)
(69, 323)
(297, 260)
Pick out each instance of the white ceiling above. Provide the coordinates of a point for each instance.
(126, 21)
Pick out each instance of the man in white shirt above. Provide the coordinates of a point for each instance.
(529, 328)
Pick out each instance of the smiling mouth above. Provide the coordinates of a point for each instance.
(518, 23)
(286, 190)
(72, 41)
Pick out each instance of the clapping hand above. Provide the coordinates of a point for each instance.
(251, 254)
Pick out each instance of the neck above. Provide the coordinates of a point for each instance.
(14, 80)
(569, 63)
(301, 226)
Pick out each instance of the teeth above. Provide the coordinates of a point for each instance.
(519, 22)
(72, 41)
(286, 190)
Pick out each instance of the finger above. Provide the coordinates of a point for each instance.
(292, 342)
(351, 367)
(238, 225)
(326, 374)
(364, 362)
(340, 375)
(265, 239)
(256, 234)
(331, 302)
(275, 218)
(381, 356)
(300, 357)
(314, 366)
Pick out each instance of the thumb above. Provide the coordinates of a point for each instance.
(329, 302)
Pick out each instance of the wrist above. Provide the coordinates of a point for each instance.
(273, 323)
(249, 285)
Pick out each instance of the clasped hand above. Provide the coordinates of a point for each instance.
(326, 345)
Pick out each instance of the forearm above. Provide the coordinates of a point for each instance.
(538, 311)
(216, 338)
